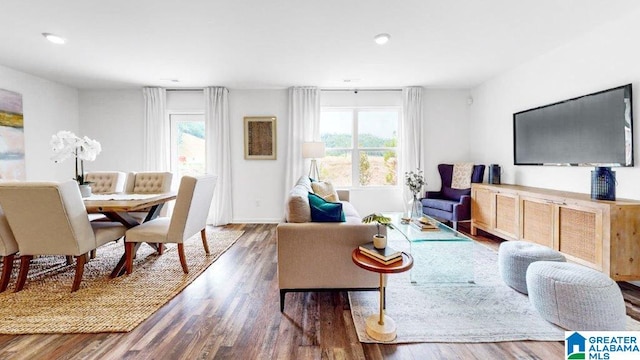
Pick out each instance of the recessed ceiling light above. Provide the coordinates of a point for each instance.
(382, 39)
(54, 38)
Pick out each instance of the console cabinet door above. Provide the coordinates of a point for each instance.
(537, 220)
(482, 207)
(579, 234)
(507, 215)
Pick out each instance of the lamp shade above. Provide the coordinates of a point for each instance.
(313, 150)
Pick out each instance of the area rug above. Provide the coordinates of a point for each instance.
(46, 304)
(483, 310)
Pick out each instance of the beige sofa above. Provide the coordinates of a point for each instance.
(316, 256)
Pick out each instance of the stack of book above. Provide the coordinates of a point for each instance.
(384, 256)
(424, 225)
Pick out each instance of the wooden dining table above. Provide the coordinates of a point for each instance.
(117, 207)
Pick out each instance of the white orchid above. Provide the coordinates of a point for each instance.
(66, 144)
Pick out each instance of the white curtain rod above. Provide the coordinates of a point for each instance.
(358, 90)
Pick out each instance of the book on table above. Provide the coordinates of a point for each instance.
(424, 225)
(386, 256)
(383, 262)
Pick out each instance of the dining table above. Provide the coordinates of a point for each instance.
(119, 206)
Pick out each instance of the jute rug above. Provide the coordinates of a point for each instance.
(46, 304)
(485, 310)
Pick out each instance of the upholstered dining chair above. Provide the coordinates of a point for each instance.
(189, 217)
(49, 218)
(8, 250)
(106, 182)
(148, 182)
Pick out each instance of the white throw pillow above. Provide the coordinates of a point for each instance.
(325, 190)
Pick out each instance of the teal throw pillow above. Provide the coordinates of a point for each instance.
(324, 211)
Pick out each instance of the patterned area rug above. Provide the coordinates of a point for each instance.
(46, 304)
(485, 310)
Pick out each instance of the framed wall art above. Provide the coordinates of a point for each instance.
(12, 166)
(260, 137)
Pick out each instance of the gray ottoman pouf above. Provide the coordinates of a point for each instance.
(514, 258)
(576, 297)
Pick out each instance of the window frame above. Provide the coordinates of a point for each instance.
(355, 149)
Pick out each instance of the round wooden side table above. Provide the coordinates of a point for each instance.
(380, 326)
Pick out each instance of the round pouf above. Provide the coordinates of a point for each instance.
(514, 258)
(576, 297)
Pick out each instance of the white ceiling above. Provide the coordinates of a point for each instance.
(266, 44)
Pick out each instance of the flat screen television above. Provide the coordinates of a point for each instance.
(590, 130)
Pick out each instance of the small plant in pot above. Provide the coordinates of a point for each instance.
(379, 240)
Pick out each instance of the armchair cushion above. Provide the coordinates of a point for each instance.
(440, 204)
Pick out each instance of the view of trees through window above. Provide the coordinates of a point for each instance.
(187, 144)
(360, 144)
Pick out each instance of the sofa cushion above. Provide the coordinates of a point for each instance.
(297, 208)
(325, 190)
(324, 211)
(444, 205)
(454, 194)
(306, 182)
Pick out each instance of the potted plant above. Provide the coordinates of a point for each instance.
(66, 144)
(379, 240)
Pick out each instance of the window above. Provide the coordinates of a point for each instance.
(187, 145)
(361, 146)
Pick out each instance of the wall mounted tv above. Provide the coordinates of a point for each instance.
(590, 130)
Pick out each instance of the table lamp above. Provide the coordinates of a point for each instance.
(313, 150)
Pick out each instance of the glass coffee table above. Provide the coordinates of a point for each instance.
(442, 255)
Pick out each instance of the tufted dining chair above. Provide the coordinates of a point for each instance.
(106, 182)
(61, 226)
(189, 217)
(147, 182)
(8, 250)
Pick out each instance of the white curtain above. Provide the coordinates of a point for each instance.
(156, 130)
(304, 125)
(218, 152)
(411, 134)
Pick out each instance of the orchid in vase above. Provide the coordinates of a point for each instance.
(66, 144)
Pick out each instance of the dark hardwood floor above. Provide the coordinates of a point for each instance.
(231, 312)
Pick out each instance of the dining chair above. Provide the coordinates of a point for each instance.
(106, 182)
(49, 218)
(8, 250)
(147, 182)
(189, 216)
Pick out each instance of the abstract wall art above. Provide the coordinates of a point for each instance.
(12, 166)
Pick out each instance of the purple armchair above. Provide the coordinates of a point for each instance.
(451, 204)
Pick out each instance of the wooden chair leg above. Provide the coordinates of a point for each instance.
(80, 261)
(69, 260)
(128, 253)
(183, 259)
(93, 254)
(203, 235)
(160, 248)
(25, 261)
(7, 267)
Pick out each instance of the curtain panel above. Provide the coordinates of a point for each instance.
(218, 153)
(304, 125)
(156, 130)
(411, 135)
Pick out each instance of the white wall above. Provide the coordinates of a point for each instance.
(602, 59)
(48, 107)
(258, 185)
(115, 119)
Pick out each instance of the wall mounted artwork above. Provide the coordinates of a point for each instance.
(12, 165)
(260, 137)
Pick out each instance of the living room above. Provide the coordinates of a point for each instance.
(473, 123)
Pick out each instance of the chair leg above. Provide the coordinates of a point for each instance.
(69, 260)
(128, 253)
(80, 261)
(203, 235)
(93, 254)
(160, 248)
(183, 259)
(455, 225)
(7, 267)
(25, 261)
